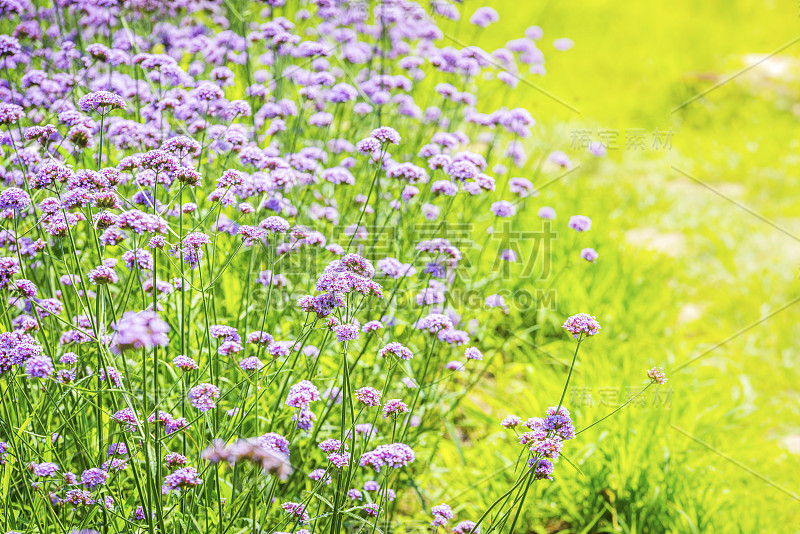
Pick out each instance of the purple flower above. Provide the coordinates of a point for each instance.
(184, 363)
(183, 478)
(580, 223)
(656, 374)
(369, 396)
(10, 113)
(394, 455)
(139, 330)
(368, 146)
(274, 442)
(441, 514)
(102, 275)
(79, 497)
(472, 353)
(563, 44)
(330, 445)
(434, 323)
(394, 407)
(596, 148)
(320, 474)
(387, 135)
(302, 394)
(202, 397)
(503, 208)
(484, 16)
(589, 254)
(127, 417)
(339, 460)
(275, 224)
(548, 447)
(346, 332)
(14, 198)
(521, 186)
(46, 469)
(40, 366)
(139, 514)
(173, 460)
(225, 333)
(546, 213)
(101, 101)
(118, 449)
(94, 477)
(396, 349)
(510, 421)
(372, 326)
(581, 323)
(464, 527)
(561, 159)
(251, 364)
(409, 172)
(296, 509)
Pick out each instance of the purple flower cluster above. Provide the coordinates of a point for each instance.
(181, 479)
(394, 455)
(203, 397)
(657, 375)
(140, 330)
(101, 102)
(228, 164)
(581, 324)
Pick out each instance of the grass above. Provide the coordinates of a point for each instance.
(696, 248)
(684, 272)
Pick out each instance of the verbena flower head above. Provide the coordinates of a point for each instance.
(657, 375)
(101, 101)
(203, 397)
(45, 469)
(387, 135)
(396, 349)
(580, 223)
(302, 394)
(297, 510)
(15, 199)
(40, 366)
(93, 477)
(434, 323)
(546, 213)
(589, 254)
(484, 16)
(394, 455)
(511, 421)
(503, 208)
(184, 363)
(369, 396)
(181, 479)
(128, 418)
(346, 332)
(394, 407)
(139, 330)
(441, 514)
(331, 445)
(472, 353)
(10, 113)
(581, 324)
(464, 527)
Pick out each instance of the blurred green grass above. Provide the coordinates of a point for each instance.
(683, 272)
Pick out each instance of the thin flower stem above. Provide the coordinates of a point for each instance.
(616, 410)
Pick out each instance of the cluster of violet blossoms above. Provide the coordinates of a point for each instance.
(173, 179)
